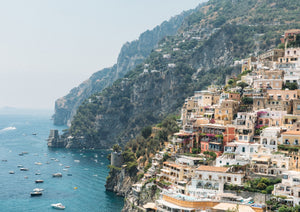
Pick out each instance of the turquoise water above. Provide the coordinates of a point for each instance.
(88, 169)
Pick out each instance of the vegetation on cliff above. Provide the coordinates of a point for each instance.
(202, 53)
(131, 54)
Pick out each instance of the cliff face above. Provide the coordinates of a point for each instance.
(200, 54)
(131, 54)
(119, 182)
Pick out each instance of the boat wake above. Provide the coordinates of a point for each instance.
(7, 129)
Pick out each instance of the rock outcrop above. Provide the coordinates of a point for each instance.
(119, 181)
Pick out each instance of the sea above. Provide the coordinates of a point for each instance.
(23, 136)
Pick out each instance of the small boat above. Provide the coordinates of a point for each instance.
(38, 163)
(24, 153)
(34, 133)
(19, 166)
(4, 160)
(38, 189)
(36, 193)
(57, 175)
(24, 169)
(67, 166)
(39, 181)
(58, 206)
(21, 154)
(77, 161)
(37, 173)
(11, 172)
(69, 174)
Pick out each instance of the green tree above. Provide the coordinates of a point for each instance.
(116, 148)
(146, 132)
(242, 85)
(230, 82)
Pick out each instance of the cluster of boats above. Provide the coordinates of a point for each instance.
(38, 192)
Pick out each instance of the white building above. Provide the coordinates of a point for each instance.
(289, 187)
(209, 180)
(237, 153)
(269, 137)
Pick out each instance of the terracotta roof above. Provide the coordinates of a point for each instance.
(212, 168)
(173, 165)
(291, 133)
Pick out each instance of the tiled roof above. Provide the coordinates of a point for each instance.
(212, 168)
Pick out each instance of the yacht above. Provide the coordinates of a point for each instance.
(58, 206)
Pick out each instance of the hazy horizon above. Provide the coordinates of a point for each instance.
(49, 47)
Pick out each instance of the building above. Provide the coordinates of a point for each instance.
(269, 138)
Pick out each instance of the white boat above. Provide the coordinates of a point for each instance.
(11, 172)
(38, 189)
(76, 161)
(58, 206)
(57, 175)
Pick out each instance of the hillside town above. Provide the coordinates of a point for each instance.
(238, 147)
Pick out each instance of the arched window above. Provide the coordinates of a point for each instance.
(264, 141)
(273, 142)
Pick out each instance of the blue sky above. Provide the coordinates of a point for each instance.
(47, 47)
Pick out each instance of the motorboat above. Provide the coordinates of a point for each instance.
(58, 206)
(11, 172)
(38, 189)
(57, 175)
(36, 193)
(24, 169)
(39, 181)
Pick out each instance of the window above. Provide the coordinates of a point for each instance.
(240, 137)
(229, 179)
(296, 142)
(235, 179)
(251, 149)
(298, 107)
(264, 141)
(245, 138)
(243, 149)
(220, 161)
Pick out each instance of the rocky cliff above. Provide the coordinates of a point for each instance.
(131, 54)
(200, 54)
(119, 181)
